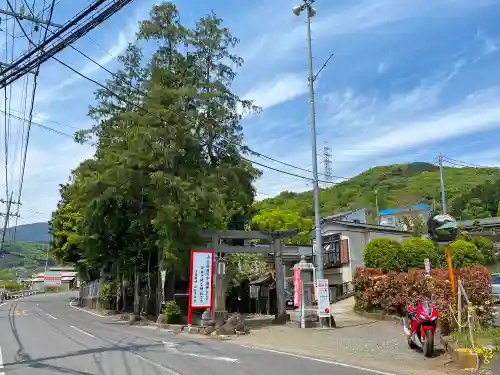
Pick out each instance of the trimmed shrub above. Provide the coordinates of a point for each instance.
(384, 253)
(485, 246)
(466, 254)
(393, 291)
(416, 250)
(172, 313)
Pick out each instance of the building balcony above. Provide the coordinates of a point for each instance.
(335, 253)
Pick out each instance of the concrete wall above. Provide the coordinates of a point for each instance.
(357, 240)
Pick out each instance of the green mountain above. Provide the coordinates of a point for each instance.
(28, 255)
(25, 247)
(35, 232)
(398, 185)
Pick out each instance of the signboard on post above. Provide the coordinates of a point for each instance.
(201, 280)
(323, 298)
(296, 287)
(52, 278)
(427, 265)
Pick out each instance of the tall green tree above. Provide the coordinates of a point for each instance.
(168, 158)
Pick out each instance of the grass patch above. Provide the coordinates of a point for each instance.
(485, 336)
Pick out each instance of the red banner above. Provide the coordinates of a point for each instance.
(296, 287)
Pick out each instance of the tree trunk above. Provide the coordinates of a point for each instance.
(137, 300)
(159, 289)
(102, 277)
(124, 294)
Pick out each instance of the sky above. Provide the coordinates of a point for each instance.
(407, 80)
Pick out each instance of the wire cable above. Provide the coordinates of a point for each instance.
(291, 165)
(33, 93)
(464, 164)
(124, 100)
(142, 93)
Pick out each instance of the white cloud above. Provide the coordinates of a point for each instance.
(490, 45)
(45, 170)
(281, 89)
(382, 67)
(287, 33)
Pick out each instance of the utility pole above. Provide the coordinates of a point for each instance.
(441, 180)
(310, 12)
(28, 18)
(376, 206)
(24, 17)
(7, 215)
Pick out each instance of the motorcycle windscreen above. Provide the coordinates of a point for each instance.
(427, 307)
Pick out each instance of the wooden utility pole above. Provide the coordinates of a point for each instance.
(7, 215)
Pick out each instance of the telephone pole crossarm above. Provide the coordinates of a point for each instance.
(28, 18)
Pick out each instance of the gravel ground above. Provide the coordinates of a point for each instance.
(379, 345)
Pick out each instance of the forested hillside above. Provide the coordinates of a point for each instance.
(400, 185)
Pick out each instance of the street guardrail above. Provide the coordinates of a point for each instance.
(18, 294)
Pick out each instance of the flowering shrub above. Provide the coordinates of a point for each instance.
(393, 291)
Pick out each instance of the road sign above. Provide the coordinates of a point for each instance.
(427, 265)
(296, 287)
(323, 298)
(52, 278)
(201, 278)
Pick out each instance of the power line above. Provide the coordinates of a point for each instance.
(291, 165)
(142, 93)
(57, 35)
(33, 93)
(27, 62)
(464, 164)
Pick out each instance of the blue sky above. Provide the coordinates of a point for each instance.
(408, 79)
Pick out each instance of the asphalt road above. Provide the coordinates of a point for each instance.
(42, 335)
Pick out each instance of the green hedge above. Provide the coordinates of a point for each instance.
(390, 255)
(416, 250)
(384, 253)
(465, 254)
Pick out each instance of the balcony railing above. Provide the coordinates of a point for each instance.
(335, 254)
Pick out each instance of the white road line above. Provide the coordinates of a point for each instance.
(373, 371)
(1, 363)
(50, 316)
(86, 311)
(161, 367)
(172, 347)
(1, 304)
(82, 331)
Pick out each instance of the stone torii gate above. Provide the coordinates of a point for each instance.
(217, 244)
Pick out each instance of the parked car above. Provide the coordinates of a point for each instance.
(495, 287)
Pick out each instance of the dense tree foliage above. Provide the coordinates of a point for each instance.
(275, 220)
(168, 158)
(480, 202)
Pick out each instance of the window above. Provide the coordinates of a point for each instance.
(495, 279)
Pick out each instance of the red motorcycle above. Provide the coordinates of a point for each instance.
(421, 329)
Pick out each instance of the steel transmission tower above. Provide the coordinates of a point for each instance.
(327, 163)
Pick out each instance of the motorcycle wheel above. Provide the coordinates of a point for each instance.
(428, 347)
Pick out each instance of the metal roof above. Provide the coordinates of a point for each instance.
(489, 221)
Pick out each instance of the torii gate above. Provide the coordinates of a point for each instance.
(276, 248)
